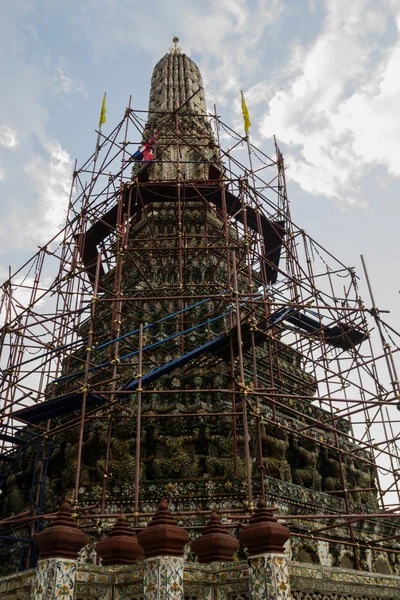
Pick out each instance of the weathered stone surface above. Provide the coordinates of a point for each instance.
(120, 547)
(215, 543)
(162, 536)
(62, 538)
(177, 84)
(264, 534)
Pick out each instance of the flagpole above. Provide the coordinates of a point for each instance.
(247, 138)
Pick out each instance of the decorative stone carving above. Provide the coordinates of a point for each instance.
(122, 463)
(331, 473)
(215, 543)
(263, 533)
(120, 547)
(62, 538)
(221, 461)
(305, 454)
(162, 536)
(71, 452)
(148, 270)
(269, 577)
(275, 444)
(14, 500)
(178, 459)
(176, 83)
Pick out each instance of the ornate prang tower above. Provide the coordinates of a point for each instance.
(192, 348)
(187, 138)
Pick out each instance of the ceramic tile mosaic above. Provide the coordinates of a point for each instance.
(269, 577)
(93, 592)
(129, 592)
(194, 591)
(55, 580)
(163, 578)
(221, 572)
(266, 577)
(349, 583)
(98, 582)
(43, 586)
(17, 586)
(231, 591)
(216, 581)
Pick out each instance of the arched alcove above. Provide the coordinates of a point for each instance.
(306, 555)
(346, 562)
(382, 566)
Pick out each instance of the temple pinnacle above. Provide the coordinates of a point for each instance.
(175, 49)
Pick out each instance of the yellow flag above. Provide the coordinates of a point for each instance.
(103, 111)
(245, 112)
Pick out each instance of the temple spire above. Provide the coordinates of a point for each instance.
(178, 115)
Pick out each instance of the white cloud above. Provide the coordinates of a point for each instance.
(225, 33)
(65, 82)
(50, 177)
(337, 103)
(35, 176)
(8, 136)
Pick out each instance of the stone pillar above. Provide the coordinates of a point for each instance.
(264, 538)
(269, 577)
(163, 578)
(55, 578)
(163, 542)
(58, 546)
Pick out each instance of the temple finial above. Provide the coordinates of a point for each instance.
(175, 49)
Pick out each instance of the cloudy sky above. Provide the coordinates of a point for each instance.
(321, 75)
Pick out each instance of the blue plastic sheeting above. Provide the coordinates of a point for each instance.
(333, 335)
(57, 407)
(341, 335)
(280, 315)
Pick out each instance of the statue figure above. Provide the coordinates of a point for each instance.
(332, 476)
(362, 477)
(175, 453)
(122, 462)
(305, 463)
(354, 477)
(371, 496)
(275, 445)
(95, 447)
(15, 499)
(71, 452)
(220, 462)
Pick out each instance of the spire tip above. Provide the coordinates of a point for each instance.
(175, 48)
